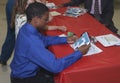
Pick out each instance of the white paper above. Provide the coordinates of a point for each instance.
(51, 5)
(93, 50)
(54, 13)
(108, 40)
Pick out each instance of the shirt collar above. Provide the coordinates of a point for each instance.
(31, 28)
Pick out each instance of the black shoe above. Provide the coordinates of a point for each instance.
(3, 63)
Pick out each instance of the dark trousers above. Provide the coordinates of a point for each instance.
(41, 77)
(109, 24)
(9, 42)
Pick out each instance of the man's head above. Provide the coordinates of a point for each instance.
(37, 15)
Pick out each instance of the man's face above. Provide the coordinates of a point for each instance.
(43, 21)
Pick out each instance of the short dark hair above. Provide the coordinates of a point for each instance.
(36, 9)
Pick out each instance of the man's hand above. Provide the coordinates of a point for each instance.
(72, 39)
(84, 48)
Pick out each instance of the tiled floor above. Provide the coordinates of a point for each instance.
(5, 71)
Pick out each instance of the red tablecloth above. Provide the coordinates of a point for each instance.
(58, 1)
(98, 68)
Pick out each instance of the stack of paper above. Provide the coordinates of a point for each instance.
(74, 12)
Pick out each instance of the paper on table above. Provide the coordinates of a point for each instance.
(51, 5)
(54, 13)
(108, 40)
(93, 50)
(74, 11)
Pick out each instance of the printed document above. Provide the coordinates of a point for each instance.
(108, 40)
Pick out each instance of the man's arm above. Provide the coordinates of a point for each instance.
(38, 54)
(52, 40)
(47, 60)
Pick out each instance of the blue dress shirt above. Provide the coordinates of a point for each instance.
(31, 53)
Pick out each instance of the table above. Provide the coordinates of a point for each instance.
(98, 68)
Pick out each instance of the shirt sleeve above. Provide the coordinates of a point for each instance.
(44, 58)
(51, 40)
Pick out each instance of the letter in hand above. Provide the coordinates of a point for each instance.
(84, 48)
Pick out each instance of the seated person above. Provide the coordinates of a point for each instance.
(31, 55)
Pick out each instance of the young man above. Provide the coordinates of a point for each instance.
(105, 9)
(31, 55)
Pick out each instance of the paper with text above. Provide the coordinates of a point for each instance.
(108, 40)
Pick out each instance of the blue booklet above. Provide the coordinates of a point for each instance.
(84, 39)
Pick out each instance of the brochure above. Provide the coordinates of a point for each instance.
(75, 11)
(84, 39)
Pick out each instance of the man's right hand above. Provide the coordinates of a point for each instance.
(84, 48)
